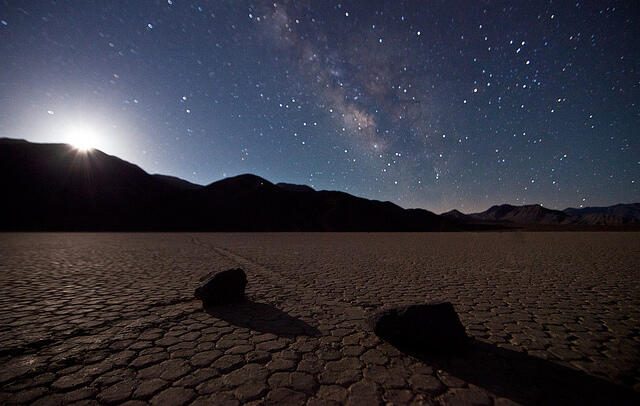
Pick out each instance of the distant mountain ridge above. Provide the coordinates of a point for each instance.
(56, 187)
(527, 214)
(535, 214)
(628, 213)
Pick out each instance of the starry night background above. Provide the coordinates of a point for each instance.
(433, 104)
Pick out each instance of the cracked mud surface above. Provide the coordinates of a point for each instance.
(111, 318)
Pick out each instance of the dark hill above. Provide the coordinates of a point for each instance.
(55, 187)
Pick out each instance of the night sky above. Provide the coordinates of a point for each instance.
(432, 104)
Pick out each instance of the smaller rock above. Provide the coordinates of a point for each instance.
(431, 327)
(222, 287)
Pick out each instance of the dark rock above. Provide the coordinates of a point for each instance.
(222, 287)
(430, 327)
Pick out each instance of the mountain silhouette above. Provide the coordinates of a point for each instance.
(56, 187)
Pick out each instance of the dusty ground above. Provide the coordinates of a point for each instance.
(110, 318)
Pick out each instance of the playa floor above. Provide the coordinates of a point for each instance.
(111, 318)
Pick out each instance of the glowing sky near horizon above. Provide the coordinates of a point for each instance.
(440, 104)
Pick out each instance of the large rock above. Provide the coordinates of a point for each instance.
(222, 287)
(430, 327)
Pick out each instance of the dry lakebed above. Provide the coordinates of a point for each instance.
(111, 318)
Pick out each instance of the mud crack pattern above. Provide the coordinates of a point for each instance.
(111, 319)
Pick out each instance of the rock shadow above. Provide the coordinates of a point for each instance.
(262, 317)
(524, 378)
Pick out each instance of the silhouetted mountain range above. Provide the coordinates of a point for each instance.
(56, 187)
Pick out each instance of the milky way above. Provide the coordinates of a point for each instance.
(433, 104)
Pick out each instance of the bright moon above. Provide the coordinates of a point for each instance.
(82, 136)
